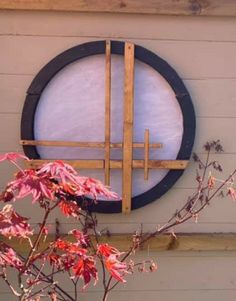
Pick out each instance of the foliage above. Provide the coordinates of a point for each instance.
(58, 185)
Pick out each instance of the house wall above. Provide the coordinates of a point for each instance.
(202, 50)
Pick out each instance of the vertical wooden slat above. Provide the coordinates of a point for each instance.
(146, 153)
(107, 112)
(128, 128)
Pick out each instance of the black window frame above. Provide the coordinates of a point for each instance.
(142, 54)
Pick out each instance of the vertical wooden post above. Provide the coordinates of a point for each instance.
(146, 153)
(128, 128)
(107, 112)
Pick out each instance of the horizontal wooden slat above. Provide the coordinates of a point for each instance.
(167, 7)
(13, 89)
(194, 59)
(161, 164)
(194, 275)
(9, 138)
(83, 144)
(164, 295)
(117, 164)
(88, 164)
(189, 227)
(218, 217)
(13, 92)
(213, 97)
(207, 129)
(180, 276)
(188, 180)
(184, 242)
(116, 25)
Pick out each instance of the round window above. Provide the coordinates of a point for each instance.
(66, 101)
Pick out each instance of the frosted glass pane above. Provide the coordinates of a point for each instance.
(71, 108)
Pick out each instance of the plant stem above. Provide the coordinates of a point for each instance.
(55, 285)
(100, 257)
(36, 243)
(169, 225)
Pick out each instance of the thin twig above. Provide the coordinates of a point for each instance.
(14, 291)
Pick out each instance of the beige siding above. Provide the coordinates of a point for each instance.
(203, 52)
(28, 54)
(164, 295)
(203, 57)
(117, 25)
(201, 49)
(180, 276)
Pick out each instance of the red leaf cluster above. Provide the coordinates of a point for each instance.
(53, 181)
(107, 250)
(74, 257)
(116, 268)
(85, 268)
(69, 247)
(56, 184)
(69, 208)
(30, 183)
(232, 193)
(13, 157)
(12, 224)
(71, 182)
(8, 257)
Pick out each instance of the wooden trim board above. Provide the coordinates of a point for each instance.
(48, 143)
(166, 7)
(128, 128)
(107, 112)
(184, 242)
(146, 153)
(116, 164)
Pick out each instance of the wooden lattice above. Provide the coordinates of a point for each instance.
(127, 164)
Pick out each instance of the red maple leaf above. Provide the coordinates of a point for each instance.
(7, 195)
(107, 250)
(232, 193)
(12, 157)
(85, 268)
(69, 247)
(69, 208)
(60, 171)
(81, 239)
(116, 268)
(62, 261)
(54, 259)
(12, 224)
(70, 181)
(29, 182)
(8, 257)
(94, 188)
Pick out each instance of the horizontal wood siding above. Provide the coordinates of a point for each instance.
(203, 52)
(203, 55)
(181, 275)
(149, 295)
(167, 7)
(192, 59)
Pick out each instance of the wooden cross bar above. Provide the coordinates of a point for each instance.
(116, 164)
(127, 164)
(83, 144)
